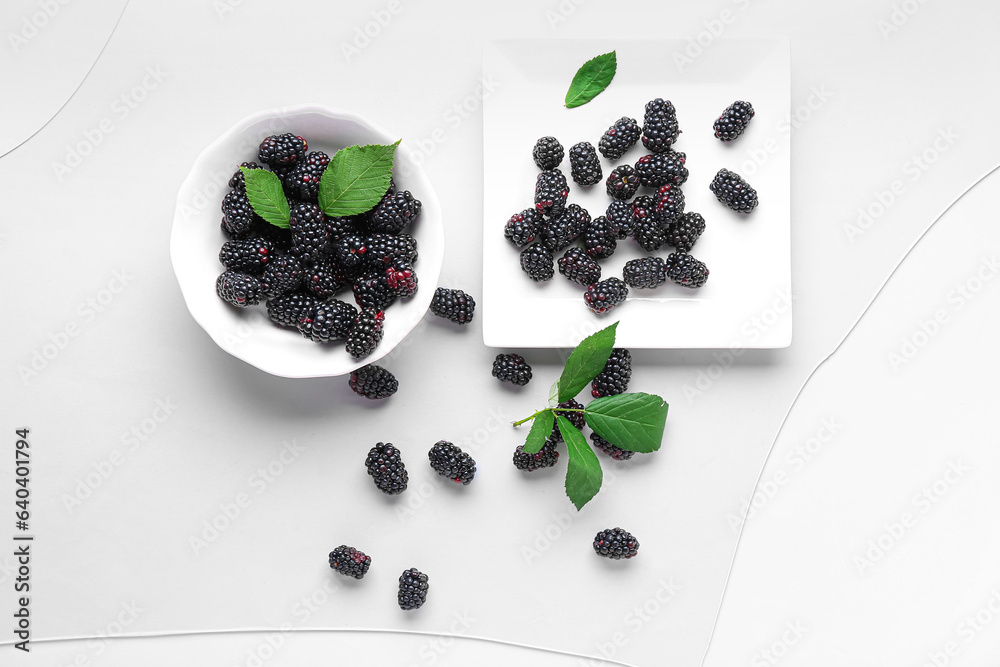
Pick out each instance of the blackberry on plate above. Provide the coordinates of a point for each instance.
(386, 468)
(614, 377)
(522, 228)
(615, 543)
(372, 290)
(579, 268)
(282, 150)
(394, 212)
(575, 418)
(685, 270)
(622, 182)
(302, 180)
(733, 120)
(412, 589)
(683, 232)
(279, 237)
(450, 461)
(350, 562)
(238, 180)
(339, 227)
(289, 310)
(659, 125)
(238, 217)
(547, 153)
(351, 252)
(512, 368)
(619, 215)
(551, 191)
(373, 382)
(645, 272)
(283, 274)
(584, 165)
(328, 321)
(647, 229)
(600, 238)
(247, 255)
(310, 232)
(366, 333)
(546, 457)
(401, 279)
(620, 137)
(324, 279)
(605, 295)
(614, 451)
(669, 203)
(386, 249)
(536, 261)
(661, 169)
(730, 189)
(239, 289)
(558, 233)
(454, 305)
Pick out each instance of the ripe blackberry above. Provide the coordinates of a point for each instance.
(662, 169)
(685, 270)
(239, 289)
(451, 462)
(289, 310)
(302, 180)
(619, 215)
(401, 279)
(280, 238)
(372, 290)
(283, 274)
(350, 562)
(584, 165)
(412, 589)
(620, 137)
(614, 451)
(575, 418)
(246, 255)
(512, 368)
(600, 238)
(238, 180)
(340, 227)
(238, 217)
(536, 261)
(622, 182)
(366, 333)
(659, 125)
(551, 191)
(733, 120)
(282, 150)
(614, 377)
(645, 272)
(522, 228)
(616, 543)
(683, 232)
(386, 468)
(388, 249)
(351, 252)
(454, 305)
(558, 233)
(394, 212)
(324, 279)
(579, 268)
(730, 189)
(373, 382)
(646, 228)
(328, 321)
(547, 153)
(310, 233)
(668, 204)
(546, 457)
(605, 295)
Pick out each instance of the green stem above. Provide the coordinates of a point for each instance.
(554, 410)
(528, 419)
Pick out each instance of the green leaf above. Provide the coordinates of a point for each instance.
(554, 394)
(541, 429)
(591, 79)
(583, 472)
(356, 179)
(266, 196)
(586, 361)
(631, 421)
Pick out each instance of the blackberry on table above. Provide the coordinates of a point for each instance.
(238, 180)
(616, 544)
(289, 310)
(282, 150)
(685, 270)
(366, 333)
(401, 279)
(551, 191)
(558, 233)
(584, 165)
(548, 153)
(575, 418)
(522, 228)
(619, 215)
(512, 368)
(645, 272)
(659, 125)
(614, 451)
(605, 295)
(324, 279)
(350, 562)
(394, 212)
(614, 377)
(536, 261)
(683, 232)
(239, 289)
(386, 468)
(373, 382)
(622, 182)
(328, 321)
(282, 274)
(412, 589)
(247, 255)
(386, 249)
(620, 137)
(310, 232)
(579, 268)
(302, 180)
(661, 169)
(668, 203)
(238, 217)
(600, 238)
(372, 290)
(448, 460)
(546, 457)
(454, 305)
(731, 123)
(730, 189)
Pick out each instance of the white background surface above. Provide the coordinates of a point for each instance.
(868, 102)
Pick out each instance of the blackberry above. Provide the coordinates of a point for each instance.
(579, 268)
(683, 232)
(730, 189)
(659, 125)
(372, 290)
(366, 333)
(238, 217)
(282, 150)
(619, 215)
(373, 382)
(238, 180)
(584, 165)
(394, 212)
(350, 562)
(733, 121)
(546, 457)
(662, 169)
(536, 261)
(645, 272)
(646, 228)
(575, 418)
(600, 238)
(401, 279)
(239, 289)
(387, 249)
(522, 228)
(614, 377)
(558, 233)
(669, 204)
(614, 451)
(622, 182)
(278, 237)
(451, 462)
(605, 295)
(685, 270)
(351, 252)
(324, 279)
(412, 589)
(302, 180)
(386, 468)
(290, 309)
(310, 233)
(328, 321)
(615, 543)
(551, 191)
(283, 274)
(547, 153)
(512, 368)
(620, 137)
(340, 227)
(454, 305)
(247, 255)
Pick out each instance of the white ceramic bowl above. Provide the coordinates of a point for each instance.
(196, 238)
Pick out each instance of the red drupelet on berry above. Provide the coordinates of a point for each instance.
(324, 279)
(349, 561)
(579, 268)
(605, 295)
(386, 468)
(239, 289)
(454, 305)
(616, 544)
(401, 279)
(373, 382)
(247, 255)
(522, 228)
(731, 123)
(551, 191)
(450, 461)
(394, 213)
(620, 137)
(289, 310)
(372, 290)
(546, 457)
(302, 180)
(619, 215)
(685, 270)
(600, 238)
(328, 321)
(614, 451)
(283, 274)
(622, 183)
(662, 169)
(668, 204)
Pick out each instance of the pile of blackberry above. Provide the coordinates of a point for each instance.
(309, 274)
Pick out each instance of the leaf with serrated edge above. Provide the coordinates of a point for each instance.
(583, 471)
(633, 422)
(266, 196)
(541, 428)
(592, 79)
(586, 361)
(356, 179)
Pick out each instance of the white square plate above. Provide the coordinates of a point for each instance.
(747, 300)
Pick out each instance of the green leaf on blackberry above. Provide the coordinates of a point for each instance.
(356, 179)
(583, 472)
(540, 430)
(586, 361)
(554, 394)
(266, 196)
(591, 79)
(633, 422)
